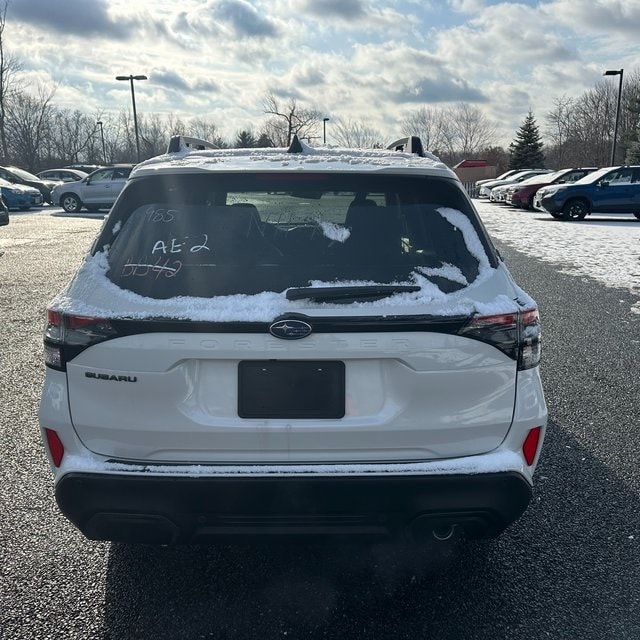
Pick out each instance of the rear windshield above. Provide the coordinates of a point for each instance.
(207, 235)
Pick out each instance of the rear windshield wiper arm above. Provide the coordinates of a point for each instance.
(341, 294)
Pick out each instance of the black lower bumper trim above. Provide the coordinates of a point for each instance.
(163, 510)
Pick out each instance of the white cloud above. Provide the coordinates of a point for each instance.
(358, 59)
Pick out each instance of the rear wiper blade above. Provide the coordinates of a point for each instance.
(341, 294)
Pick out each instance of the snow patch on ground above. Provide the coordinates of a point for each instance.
(603, 247)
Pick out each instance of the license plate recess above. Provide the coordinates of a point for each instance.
(291, 389)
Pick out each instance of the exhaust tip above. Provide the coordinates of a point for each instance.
(444, 533)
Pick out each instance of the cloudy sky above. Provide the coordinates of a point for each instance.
(368, 60)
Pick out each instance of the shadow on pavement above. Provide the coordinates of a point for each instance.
(567, 569)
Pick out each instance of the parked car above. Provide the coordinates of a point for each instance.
(86, 168)
(98, 190)
(485, 189)
(521, 195)
(499, 193)
(607, 190)
(4, 214)
(62, 175)
(20, 176)
(292, 341)
(19, 196)
(502, 176)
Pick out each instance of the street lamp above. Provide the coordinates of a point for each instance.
(104, 151)
(324, 129)
(615, 72)
(133, 100)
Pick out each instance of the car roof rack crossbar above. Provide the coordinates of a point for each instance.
(410, 144)
(187, 143)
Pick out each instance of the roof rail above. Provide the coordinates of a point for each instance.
(187, 143)
(411, 144)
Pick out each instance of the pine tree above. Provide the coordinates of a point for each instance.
(264, 141)
(526, 149)
(245, 140)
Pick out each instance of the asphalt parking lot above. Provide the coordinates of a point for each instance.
(569, 568)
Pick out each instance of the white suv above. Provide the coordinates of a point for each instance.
(303, 341)
(98, 190)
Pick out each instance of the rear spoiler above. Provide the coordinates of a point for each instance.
(186, 143)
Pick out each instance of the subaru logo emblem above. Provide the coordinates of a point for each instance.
(290, 329)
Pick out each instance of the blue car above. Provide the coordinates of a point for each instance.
(608, 190)
(18, 196)
(4, 214)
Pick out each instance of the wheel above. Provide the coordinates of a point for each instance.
(528, 205)
(70, 203)
(575, 210)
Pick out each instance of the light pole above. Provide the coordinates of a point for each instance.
(133, 100)
(615, 72)
(104, 151)
(324, 129)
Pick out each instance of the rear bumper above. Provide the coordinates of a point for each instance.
(159, 509)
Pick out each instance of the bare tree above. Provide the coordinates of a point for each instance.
(630, 118)
(202, 128)
(355, 133)
(289, 119)
(154, 135)
(593, 124)
(9, 67)
(452, 133)
(426, 123)
(472, 130)
(71, 134)
(28, 122)
(559, 121)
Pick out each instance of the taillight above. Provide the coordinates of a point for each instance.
(530, 347)
(66, 335)
(530, 445)
(56, 448)
(516, 334)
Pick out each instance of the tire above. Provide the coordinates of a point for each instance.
(70, 203)
(575, 210)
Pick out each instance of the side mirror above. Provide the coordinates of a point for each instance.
(604, 183)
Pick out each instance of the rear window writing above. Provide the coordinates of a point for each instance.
(223, 241)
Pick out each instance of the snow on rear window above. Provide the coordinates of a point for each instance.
(204, 256)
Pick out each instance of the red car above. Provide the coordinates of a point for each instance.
(521, 195)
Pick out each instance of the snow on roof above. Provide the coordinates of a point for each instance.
(332, 159)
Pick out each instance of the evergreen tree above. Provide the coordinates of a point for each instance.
(526, 149)
(264, 141)
(245, 140)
